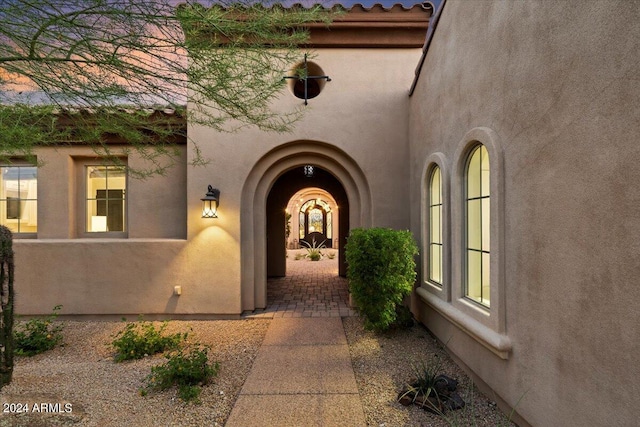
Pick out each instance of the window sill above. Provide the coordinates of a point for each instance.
(20, 236)
(103, 235)
(498, 344)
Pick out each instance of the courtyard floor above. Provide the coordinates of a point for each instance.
(310, 289)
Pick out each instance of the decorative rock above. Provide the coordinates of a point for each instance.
(445, 381)
(405, 399)
(443, 396)
(454, 402)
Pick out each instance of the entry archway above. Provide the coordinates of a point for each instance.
(255, 193)
(287, 184)
(312, 210)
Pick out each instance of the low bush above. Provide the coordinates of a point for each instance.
(188, 371)
(425, 386)
(432, 390)
(140, 339)
(38, 335)
(314, 251)
(381, 272)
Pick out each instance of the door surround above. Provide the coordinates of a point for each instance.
(254, 198)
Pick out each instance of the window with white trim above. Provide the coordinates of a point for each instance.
(19, 198)
(435, 268)
(477, 226)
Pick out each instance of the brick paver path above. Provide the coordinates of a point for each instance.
(310, 289)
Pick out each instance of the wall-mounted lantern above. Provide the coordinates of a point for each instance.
(210, 203)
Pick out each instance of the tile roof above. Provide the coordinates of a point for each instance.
(377, 25)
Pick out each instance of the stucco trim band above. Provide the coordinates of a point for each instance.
(498, 344)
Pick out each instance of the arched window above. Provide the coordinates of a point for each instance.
(435, 253)
(472, 294)
(477, 226)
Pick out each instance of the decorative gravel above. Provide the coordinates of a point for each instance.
(82, 384)
(99, 392)
(384, 364)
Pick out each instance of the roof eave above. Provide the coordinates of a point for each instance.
(374, 27)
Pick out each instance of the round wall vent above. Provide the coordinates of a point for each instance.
(306, 80)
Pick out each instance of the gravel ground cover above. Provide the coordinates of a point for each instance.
(104, 393)
(82, 383)
(384, 364)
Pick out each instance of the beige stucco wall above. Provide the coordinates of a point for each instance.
(356, 129)
(130, 275)
(559, 85)
(362, 111)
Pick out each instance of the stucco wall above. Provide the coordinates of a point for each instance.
(363, 111)
(559, 84)
(362, 115)
(99, 275)
(357, 129)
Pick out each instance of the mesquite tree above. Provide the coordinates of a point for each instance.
(122, 59)
(6, 305)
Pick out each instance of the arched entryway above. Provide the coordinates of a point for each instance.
(288, 184)
(312, 215)
(341, 176)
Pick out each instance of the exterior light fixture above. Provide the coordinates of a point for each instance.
(210, 203)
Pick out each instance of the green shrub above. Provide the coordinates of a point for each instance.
(188, 371)
(140, 339)
(38, 335)
(381, 272)
(404, 317)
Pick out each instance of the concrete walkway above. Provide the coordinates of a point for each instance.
(302, 376)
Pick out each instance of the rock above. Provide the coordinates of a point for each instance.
(444, 382)
(405, 399)
(443, 396)
(454, 402)
(430, 404)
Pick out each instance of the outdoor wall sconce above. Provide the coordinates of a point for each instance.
(210, 203)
